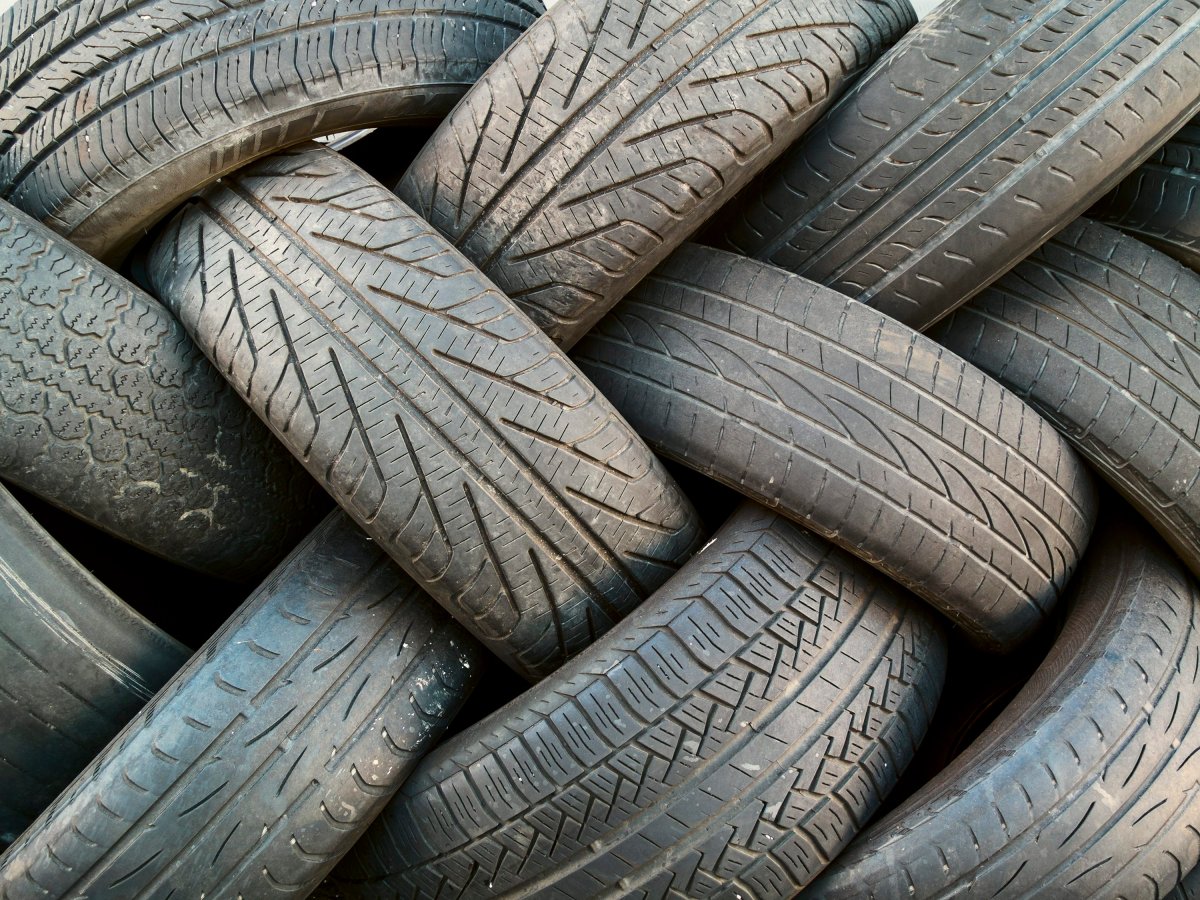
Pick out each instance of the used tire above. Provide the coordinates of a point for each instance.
(433, 409)
(610, 130)
(75, 665)
(111, 114)
(855, 426)
(1086, 785)
(731, 735)
(1189, 888)
(989, 127)
(1102, 335)
(265, 757)
(110, 412)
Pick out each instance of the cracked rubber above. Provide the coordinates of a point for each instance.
(988, 128)
(76, 664)
(613, 128)
(1101, 334)
(857, 427)
(434, 410)
(730, 736)
(261, 762)
(110, 412)
(113, 111)
(1087, 784)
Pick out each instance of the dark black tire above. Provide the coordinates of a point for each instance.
(989, 127)
(855, 426)
(732, 735)
(75, 665)
(110, 412)
(1188, 889)
(1160, 202)
(113, 113)
(609, 131)
(1088, 784)
(1102, 335)
(266, 756)
(434, 410)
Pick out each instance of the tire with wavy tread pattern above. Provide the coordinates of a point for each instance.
(266, 756)
(1088, 783)
(731, 735)
(435, 411)
(76, 664)
(1101, 334)
(610, 130)
(113, 111)
(988, 128)
(856, 426)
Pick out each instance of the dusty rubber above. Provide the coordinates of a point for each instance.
(1087, 783)
(75, 664)
(422, 398)
(855, 426)
(266, 756)
(111, 113)
(611, 130)
(1101, 334)
(992, 125)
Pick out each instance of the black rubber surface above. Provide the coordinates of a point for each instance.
(1087, 785)
(262, 761)
(854, 425)
(992, 125)
(114, 111)
(75, 664)
(109, 411)
(613, 128)
(432, 408)
(1102, 335)
(1188, 889)
(729, 737)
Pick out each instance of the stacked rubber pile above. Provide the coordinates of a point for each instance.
(777, 561)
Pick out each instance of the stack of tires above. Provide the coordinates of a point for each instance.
(740, 448)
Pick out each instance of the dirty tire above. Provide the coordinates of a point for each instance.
(854, 425)
(75, 664)
(989, 127)
(426, 402)
(610, 130)
(110, 412)
(262, 761)
(733, 733)
(1101, 334)
(112, 113)
(1087, 783)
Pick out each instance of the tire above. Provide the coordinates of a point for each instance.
(110, 412)
(609, 131)
(855, 426)
(268, 754)
(989, 127)
(1188, 889)
(75, 664)
(112, 114)
(734, 732)
(1085, 786)
(426, 403)
(1160, 202)
(1102, 335)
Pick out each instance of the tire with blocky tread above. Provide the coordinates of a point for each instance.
(992, 125)
(75, 665)
(266, 756)
(423, 399)
(109, 411)
(1088, 784)
(854, 425)
(730, 736)
(610, 130)
(112, 113)
(1101, 334)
